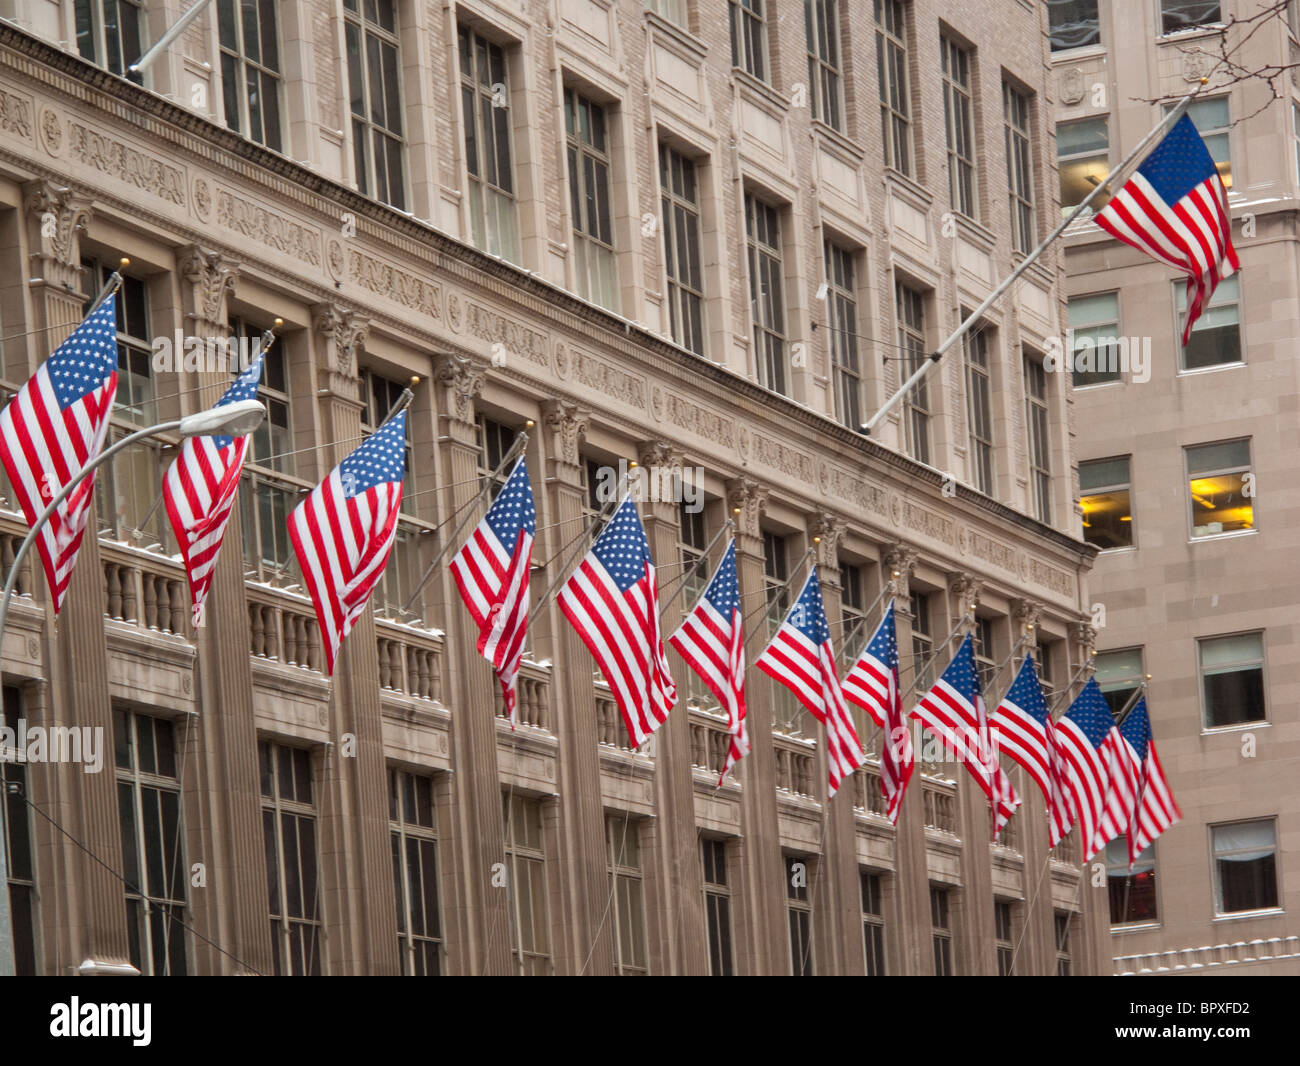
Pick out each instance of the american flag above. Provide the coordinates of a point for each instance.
(1123, 784)
(1023, 728)
(1081, 737)
(801, 658)
(712, 641)
(1175, 209)
(55, 424)
(873, 685)
(1157, 810)
(491, 571)
(953, 710)
(199, 491)
(612, 600)
(343, 531)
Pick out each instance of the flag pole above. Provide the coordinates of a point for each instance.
(521, 439)
(704, 555)
(1006, 283)
(767, 602)
(938, 649)
(111, 285)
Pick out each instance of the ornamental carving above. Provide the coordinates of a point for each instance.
(515, 338)
(1025, 614)
(1070, 85)
(386, 280)
(614, 383)
(61, 217)
(901, 561)
(266, 227)
(1084, 636)
(747, 500)
(126, 164)
(829, 528)
(15, 115)
(213, 276)
(965, 589)
(202, 199)
(462, 378)
(568, 424)
(51, 132)
(455, 318)
(344, 331)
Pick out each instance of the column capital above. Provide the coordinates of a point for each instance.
(59, 215)
(659, 453)
(965, 588)
(901, 561)
(213, 276)
(829, 527)
(462, 379)
(1025, 613)
(1084, 636)
(344, 332)
(747, 500)
(568, 425)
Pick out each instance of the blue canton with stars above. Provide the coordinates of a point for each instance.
(244, 388)
(85, 360)
(723, 592)
(1179, 163)
(622, 548)
(1091, 713)
(513, 508)
(961, 673)
(381, 458)
(884, 645)
(1136, 728)
(1026, 693)
(808, 615)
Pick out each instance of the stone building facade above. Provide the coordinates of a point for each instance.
(1188, 482)
(634, 235)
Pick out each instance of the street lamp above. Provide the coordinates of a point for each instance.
(232, 419)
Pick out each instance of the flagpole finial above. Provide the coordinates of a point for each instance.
(278, 323)
(529, 423)
(817, 540)
(632, 464)
(123, 263)
(1205, 81)
(415, 380)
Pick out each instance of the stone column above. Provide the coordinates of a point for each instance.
(583, 939)
(1096, 951)
(359, 905)
(232, 908)
(761, 937)
(837, 913)
(89, 917)
(912, 948)
(476, 907)
(684, 936)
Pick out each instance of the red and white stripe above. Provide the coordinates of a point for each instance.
(874, 687)
(1157, 810)
(714, 647)
(43, 448)
(1123, 788)
(1084, 778)
(1032, 744)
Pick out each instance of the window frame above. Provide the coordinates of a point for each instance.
(848, 386)
(1018, 135)
(1104, 121)
(301, 811)
(798, 910)
(687, 302)
(980, 446)
(100, 54)
(1067, 48)
(1038, 406)
(1106, 489)
(1216, 300)
(1162, 31)
(822, 32)
(517, 853)
(617, 832)
(912, 330)
(1262, 664)
(356, 20)
(747, 20)
(768, 311)
(893, 75)
(242, 64)
(584, 154)
(1219, 472)
(401, 833)
(957, 75)
(941, 936)
(1220, 914)
(1120, 844)
(1004, 936)
(722, 954)
(874, 941)
(20, 864)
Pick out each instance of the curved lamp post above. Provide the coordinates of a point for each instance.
(234, 420)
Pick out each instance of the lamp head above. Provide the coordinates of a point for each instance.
(232, 419)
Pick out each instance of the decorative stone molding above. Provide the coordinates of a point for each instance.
(59, 216)
(213, 276)
(901, 561)
(1084, 637)
(659, 453)
(829, 527)
(1025, 614)
(749, 498)
(462, 380)
(344, 333)
(965, 590)
(568, 425)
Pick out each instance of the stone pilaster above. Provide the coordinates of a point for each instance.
(763, 947)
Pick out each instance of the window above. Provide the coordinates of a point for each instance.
(1072, 23)
(1132, 892)
(374, 76)
(922, 641)
(673, 10)
(1094, 327)
(1232, 679)
(108, 33)
(717, 906)
(766, 295)
(822, 25)
(842, 315)
(979, 404)
(153, 853)
(1040, 447)
(494, 443)
(1119, 674)
(776, 573)
(289, 831)
(485, 99)
(413, 832)
(853, 607)
(622, 835)
(135, 386)
(380, 395)
(1105, 497)
(1245, 866)
(250, 69)
(17, 827)
(958, 111)
(1016, 115)
(530, 922)
(691, 544)
(910, 308)
(798, 871)
(1061, 923)
(593, 228)
(749, 37)
(266, 501)
(1221, 487)
(1216, 335)
(941, 930)
(1082, 158)
(1003, 937)
(1212, 122)
(1177, 15)
(892, 74)
(873, 922)
(679, 188)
